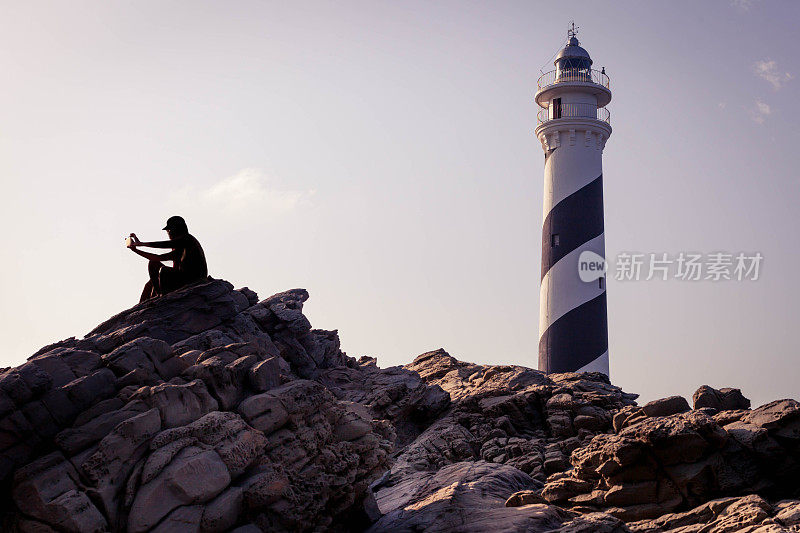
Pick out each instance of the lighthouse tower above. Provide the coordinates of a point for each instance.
(573, 126)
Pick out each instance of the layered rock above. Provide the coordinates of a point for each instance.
(508, 427)
(657, 465)
(729, 515)
(470, 496)
(602, 458)
(191, 412)
(210, 410)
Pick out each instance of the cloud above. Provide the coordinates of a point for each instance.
(760, 111)
(743, 5)
(768, 71)
(249, 190)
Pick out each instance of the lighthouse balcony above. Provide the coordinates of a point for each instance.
(567, 111)
(585, 79)
(573, 75)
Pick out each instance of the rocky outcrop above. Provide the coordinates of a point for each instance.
(729, 515)
(196, 411)
(510, 427)
(209, 410)
(469, 496)
(395, 394)
(658, 465)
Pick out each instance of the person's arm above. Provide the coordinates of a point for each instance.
(135, 243)
(153, 257)
(156, 244)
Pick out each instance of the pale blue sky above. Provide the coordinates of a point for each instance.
(381, 155)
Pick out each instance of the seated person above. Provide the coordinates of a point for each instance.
(188, 260)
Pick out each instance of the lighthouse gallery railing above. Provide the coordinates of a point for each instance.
(555, 112)
(571, 75)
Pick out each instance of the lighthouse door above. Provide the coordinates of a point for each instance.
(556, 107)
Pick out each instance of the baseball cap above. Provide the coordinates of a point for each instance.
(176, 222)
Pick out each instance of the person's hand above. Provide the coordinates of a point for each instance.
(134, 241)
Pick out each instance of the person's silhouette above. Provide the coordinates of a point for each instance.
(188, 260)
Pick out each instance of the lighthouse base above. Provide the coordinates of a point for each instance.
(598, 365)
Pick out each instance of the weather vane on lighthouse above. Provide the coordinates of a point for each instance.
(573, 127)
(572, 31)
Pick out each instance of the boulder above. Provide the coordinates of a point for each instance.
(719, 400)
(524, 497)
(49, 491)
(178, 404)
(76, 439)
(182, 519)
(265, 412)
(193, 476)
(222, 513)
(265, 375)
(108, 465)
(666, 406)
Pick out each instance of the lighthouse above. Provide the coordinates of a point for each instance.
(573, 127)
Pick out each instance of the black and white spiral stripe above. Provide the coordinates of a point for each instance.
(573, 328)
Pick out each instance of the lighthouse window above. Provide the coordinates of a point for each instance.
(601, 280)
(554, 240)
(556, 107)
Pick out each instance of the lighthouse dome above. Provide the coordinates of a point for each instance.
(573, 56)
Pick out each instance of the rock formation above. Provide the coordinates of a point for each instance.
(207, 410)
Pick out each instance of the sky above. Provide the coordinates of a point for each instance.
(382, 156)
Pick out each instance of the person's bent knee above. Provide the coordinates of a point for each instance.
(147, 292)
(169, 279)
(154, 266)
